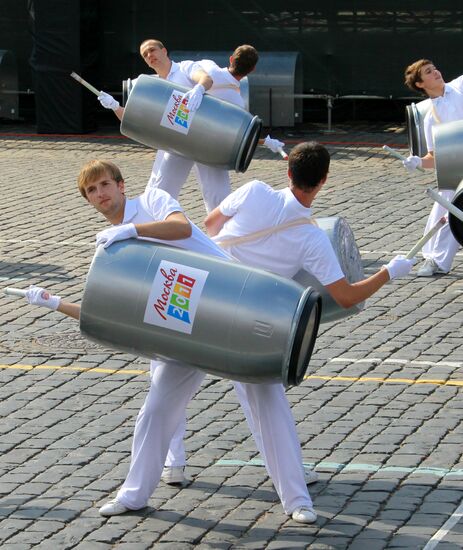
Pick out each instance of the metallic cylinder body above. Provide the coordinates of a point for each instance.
(221, 317)
(218, 133)
(128, 84)
(448, 154)
(414, 117)
(343, 242)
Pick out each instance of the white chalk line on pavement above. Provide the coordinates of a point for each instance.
(397, 361)
(354, 467)
(451, 522)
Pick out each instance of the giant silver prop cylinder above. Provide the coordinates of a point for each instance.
(218, 133)
(414, 117)
(448, 158)
(343, 242)
(222, 317)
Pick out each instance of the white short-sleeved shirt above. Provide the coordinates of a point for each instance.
(178, 74)
(225, 86)
(256, 206)
(448, 107)
(156, 205)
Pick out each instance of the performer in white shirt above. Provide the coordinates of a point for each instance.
(156, 215)
(170, 170)
(446, 106)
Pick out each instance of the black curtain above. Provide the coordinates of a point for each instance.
(65, 39)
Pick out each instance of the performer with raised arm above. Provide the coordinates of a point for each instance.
(446, 106)
(170, 171)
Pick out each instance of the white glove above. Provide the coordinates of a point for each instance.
(273, 144)
(116, 233)
(38, 296)
(194, 97)
(412, 162)
(108, 101)
(399, 266)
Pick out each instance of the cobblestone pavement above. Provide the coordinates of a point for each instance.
(379, 415)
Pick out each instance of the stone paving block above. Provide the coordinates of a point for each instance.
(407, 541)
(361, 543)
(283, 542)
(329, 543)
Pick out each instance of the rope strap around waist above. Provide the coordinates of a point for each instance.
(232, 241)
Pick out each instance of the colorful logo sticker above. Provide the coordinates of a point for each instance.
(174, 296)
(176, 115)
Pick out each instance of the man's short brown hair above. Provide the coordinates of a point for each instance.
(308, 164)
(94, 169)
(243, 61)
(157, 43)
(413, 74)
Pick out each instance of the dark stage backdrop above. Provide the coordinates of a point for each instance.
(347, 47)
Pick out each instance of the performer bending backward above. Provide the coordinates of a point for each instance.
(170, 171)
(446, 106)
(157, 216)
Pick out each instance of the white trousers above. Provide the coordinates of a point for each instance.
(172, 386)
(171, 171)
(176, 456)
(443, 246)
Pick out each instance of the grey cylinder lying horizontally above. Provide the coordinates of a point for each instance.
(218, 133)
(343, 241)
(448, 158)
(222, 317)
(414, 118)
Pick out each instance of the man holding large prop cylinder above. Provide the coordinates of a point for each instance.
(155, 215)
(173, 383)
(256, 208)
(446, 106)
(171, 170)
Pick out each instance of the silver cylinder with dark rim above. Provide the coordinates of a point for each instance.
(222, 317)
(448, 157)
(218, 133)
(414, 118)
(343, 241)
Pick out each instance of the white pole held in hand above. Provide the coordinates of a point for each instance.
(14, 292)
(398, 155)
(283, 153)
(425, 238)
(85, 83)
(445, 203)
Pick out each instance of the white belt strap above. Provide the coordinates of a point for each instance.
(231, 241)
(434, 113)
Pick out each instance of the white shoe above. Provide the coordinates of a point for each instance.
(113, 508)
(173, 475)
(304, 515)
(429, 268)
(310, 476)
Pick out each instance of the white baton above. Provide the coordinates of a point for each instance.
(85, 83)
(445, 203)
(397, 155)
(14, 292)
(283, 153)
(425, 238)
